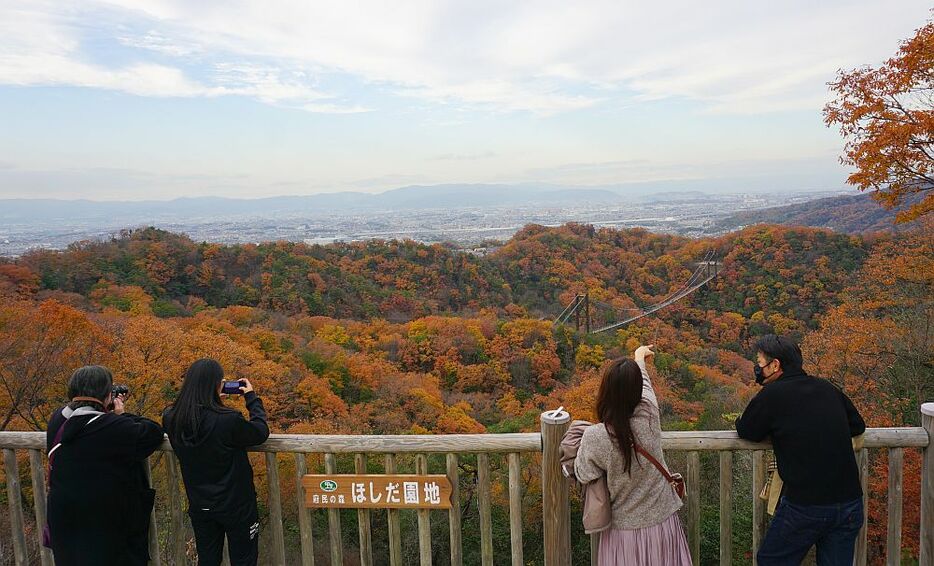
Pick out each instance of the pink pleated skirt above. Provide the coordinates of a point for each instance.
(663, 544)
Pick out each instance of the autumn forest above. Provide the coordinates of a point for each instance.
(389, 337)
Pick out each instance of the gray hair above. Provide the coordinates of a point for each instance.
(89, 381)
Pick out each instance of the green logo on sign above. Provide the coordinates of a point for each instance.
(329, 485)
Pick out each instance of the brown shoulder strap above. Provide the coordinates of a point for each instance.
(655, 462)
(649, 457)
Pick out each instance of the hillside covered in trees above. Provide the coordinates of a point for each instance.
(387, 337)
(850, 214)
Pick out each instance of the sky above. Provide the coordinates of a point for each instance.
(159, 99)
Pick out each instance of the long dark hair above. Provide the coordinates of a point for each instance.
(620, 393)
(199, 391)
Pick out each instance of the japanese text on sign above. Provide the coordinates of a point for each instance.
(377, 491)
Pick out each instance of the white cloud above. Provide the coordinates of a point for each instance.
(155, 41)
(41, 45)
(543, 56)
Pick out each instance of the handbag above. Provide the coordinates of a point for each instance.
(676, 481)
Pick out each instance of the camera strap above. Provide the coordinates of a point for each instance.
(57, 442)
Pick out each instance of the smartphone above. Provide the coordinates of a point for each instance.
(232, 387)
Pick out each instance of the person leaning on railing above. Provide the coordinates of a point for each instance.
(99, 500)
(626, 445)
(811, 424)
(210, 441)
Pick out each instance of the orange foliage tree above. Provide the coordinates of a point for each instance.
(887, 116)
(878, 344)
(40, 345)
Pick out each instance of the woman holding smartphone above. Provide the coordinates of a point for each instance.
(210, 441)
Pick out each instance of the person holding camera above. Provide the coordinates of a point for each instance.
(626, 447)
(210, 441)
(99, 500)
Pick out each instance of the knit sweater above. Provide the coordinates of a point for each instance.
(641, 498)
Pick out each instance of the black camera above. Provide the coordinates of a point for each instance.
(120, 390)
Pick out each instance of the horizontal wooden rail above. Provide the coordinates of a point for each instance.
(510, 450)
(403, 443)
(895, 437)
(713, 440)
(352, 444)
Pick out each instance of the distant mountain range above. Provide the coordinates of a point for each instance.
(405, 198)
(413, 197)
(852, 214)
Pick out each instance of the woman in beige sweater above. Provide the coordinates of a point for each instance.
(646, 529)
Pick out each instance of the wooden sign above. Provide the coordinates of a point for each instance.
(374, 491)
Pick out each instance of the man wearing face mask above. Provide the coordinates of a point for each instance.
(811, 424)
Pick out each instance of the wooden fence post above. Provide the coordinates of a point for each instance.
(692, 483)
(556, 508)
(927, 488)
(758, 505)
(726, 508)
(14, 497)
(155, 558)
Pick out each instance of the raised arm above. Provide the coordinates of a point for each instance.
(255, 431)
(645, 359)
(146, 435)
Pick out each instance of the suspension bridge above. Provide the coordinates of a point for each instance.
(580, 308)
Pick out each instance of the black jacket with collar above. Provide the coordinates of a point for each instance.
(811, 423)
(215, 467)
(99, 500)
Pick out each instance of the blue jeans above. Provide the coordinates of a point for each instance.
(796, 528)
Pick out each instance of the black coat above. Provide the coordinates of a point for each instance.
(99, 501)
(811, 424)
(215, 467)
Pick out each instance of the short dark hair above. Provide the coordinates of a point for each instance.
(782, 349)
(89, 381)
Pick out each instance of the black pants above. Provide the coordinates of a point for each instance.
(241, 530)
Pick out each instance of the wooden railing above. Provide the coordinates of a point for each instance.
(515, 449)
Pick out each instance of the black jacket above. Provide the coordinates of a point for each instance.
(215, 467)
(811, 424)
(99, 501)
